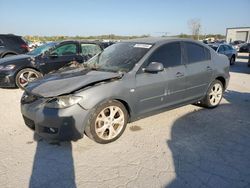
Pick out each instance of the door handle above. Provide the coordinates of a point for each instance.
(179, 74)
(209, 68)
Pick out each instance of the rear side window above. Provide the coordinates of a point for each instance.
(169, 55)
(90, 49)
(227, 47)
(14, 40)
(196, 53)
(207, 54)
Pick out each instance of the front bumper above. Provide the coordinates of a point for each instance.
(7, 79)
(55, 124)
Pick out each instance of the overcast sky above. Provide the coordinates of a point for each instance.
(121, 17)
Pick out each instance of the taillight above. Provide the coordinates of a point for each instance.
(25, 46)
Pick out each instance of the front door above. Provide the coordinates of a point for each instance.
(59, 57)
(162, 89)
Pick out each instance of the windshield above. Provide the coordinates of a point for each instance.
(41, 49)
(120, 57)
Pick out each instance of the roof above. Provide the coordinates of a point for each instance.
(10, 35)
(151, 40)
(161, 40)
(155, 40)
(81, 41)
(238, 28)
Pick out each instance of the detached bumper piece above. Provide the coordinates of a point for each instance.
(7, 81)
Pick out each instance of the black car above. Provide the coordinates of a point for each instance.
(237, 44)
(19, 70)
(12, 45)
(245, 48)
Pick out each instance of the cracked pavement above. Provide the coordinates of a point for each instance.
(185, 147)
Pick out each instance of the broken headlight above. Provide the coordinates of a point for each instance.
(28, 98)
(63, 101)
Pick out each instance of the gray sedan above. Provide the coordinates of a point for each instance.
(226, 50)
(127, 81)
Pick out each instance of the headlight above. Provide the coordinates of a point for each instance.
(7, 67)
(63, 101)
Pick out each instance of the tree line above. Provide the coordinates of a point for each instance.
(114, 37)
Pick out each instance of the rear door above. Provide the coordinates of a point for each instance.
(199, 69)
(61, 56)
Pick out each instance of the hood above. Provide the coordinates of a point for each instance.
(67, 82)
(14, 59)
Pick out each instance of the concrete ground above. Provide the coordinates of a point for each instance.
(186, 147)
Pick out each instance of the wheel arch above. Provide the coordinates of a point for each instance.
(126, 105)
(8, 53)
(222, 80)
(28, 67)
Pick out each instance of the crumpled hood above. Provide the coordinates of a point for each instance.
(56, 84)
(14, 59)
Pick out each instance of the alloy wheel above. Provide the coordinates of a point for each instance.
(109, 122)
(215, 94)
(27, 77)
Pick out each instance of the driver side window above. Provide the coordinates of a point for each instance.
(169, 55)
(66, 49)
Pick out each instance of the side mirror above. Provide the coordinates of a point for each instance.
(154, 67)
(53, 55)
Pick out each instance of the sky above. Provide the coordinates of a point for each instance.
(120, 17)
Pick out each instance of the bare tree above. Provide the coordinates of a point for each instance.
(195, 27)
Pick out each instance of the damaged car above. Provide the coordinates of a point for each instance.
(19, 70)
(127, 81)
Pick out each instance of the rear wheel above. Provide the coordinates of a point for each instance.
(26, 76)
(214, 95)
(107, 122)
(232, 60)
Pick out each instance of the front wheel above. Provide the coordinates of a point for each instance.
(26, 76)
(214, 95)
(107, 122)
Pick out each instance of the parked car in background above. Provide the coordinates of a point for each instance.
(245, 48)
(19, 70)
(225, 49)
(107, 44)
(12, 45)
(237, 44)
(33, 45)
(127, 81)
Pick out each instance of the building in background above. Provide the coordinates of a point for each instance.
(238, 33)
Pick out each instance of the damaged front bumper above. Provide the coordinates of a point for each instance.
(55, 124)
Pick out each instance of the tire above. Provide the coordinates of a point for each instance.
(232, 60)
(26, 76)
(214, 95)
(101, 125)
